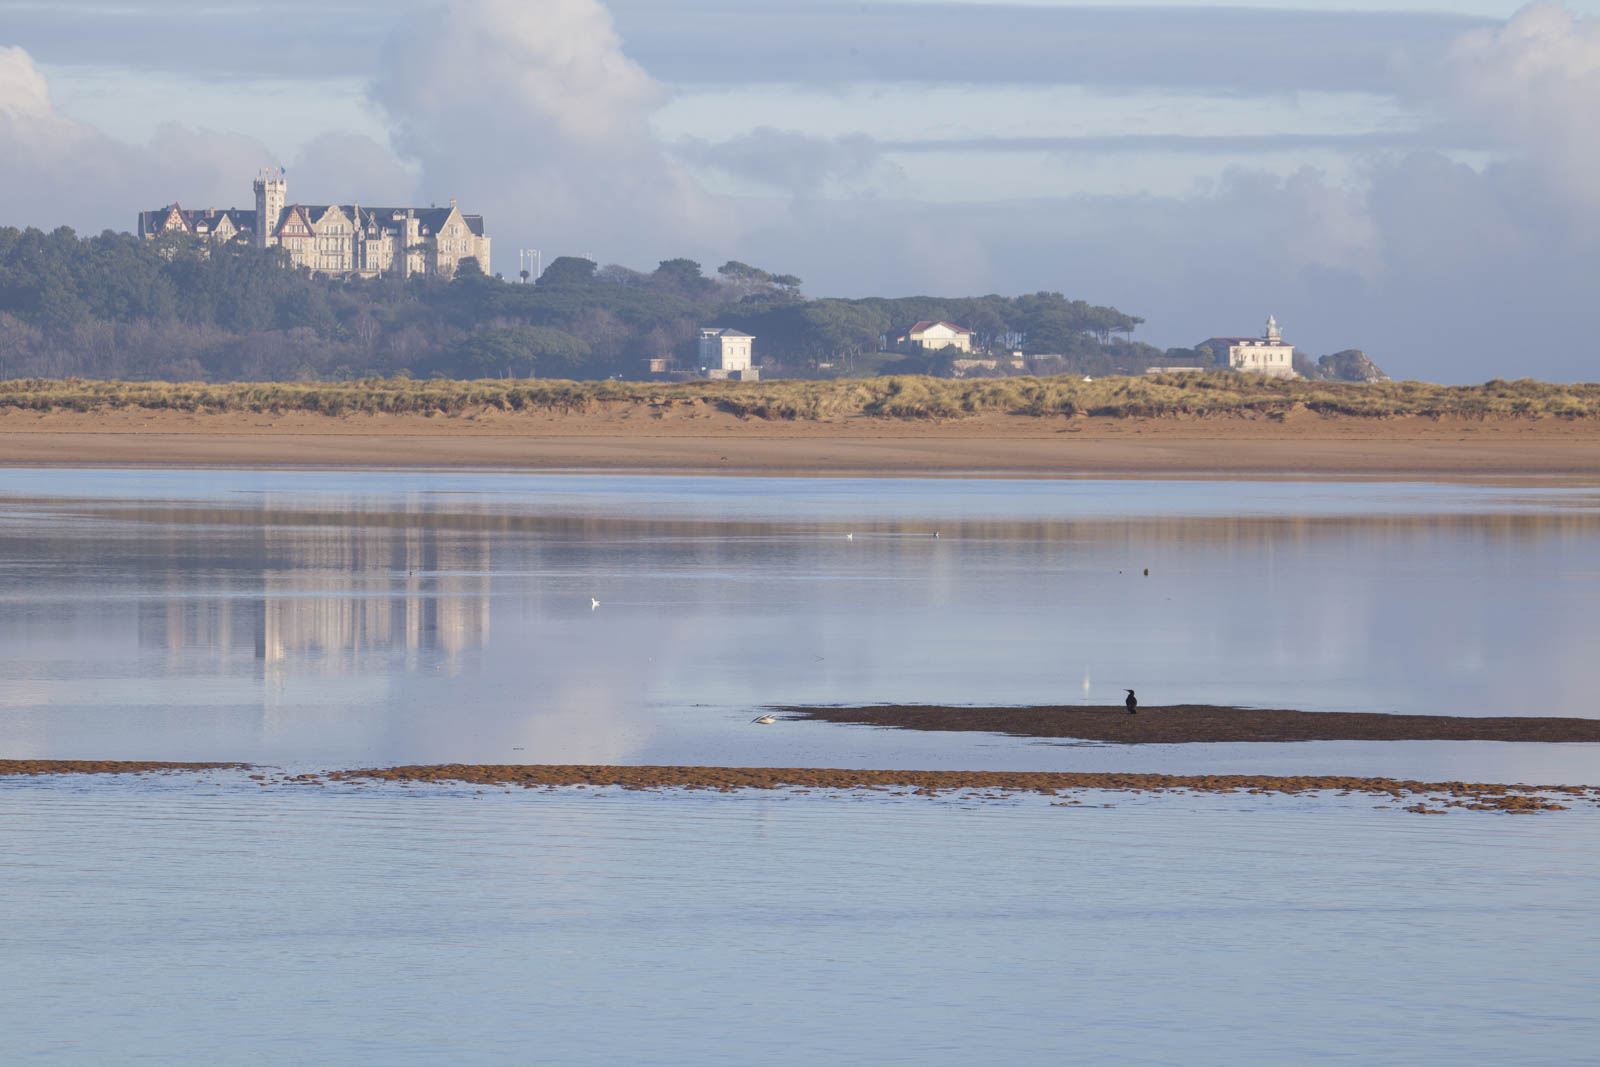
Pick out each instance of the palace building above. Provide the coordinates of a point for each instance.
(336, 238)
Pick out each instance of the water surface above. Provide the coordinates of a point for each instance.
(339, 618)
(170, 921)
(335, 619)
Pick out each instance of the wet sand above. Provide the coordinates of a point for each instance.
(1425, 797)
(635, 438)
(1194, 723)
(1475, 796)
(106, 766)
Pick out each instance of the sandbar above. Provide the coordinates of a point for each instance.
(635, 437)
(1200, 723)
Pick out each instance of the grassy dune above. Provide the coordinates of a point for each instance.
(907, 397)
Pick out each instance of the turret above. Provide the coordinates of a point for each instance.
(272, 192)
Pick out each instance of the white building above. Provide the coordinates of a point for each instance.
(1267, 354)
(726, 354)
(928, 336)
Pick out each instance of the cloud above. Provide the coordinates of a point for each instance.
(808, 42)
(798, 163)
(1534, 85)
(341, 167)
(805, 42)
(264, 39)
(530, 111)
(24, 96)
(58, 171)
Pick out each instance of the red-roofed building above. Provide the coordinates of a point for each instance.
(929, 336)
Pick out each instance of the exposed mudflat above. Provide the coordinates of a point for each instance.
(1476, 796)
(1184, 723)
(1424, 797)
(105, 766)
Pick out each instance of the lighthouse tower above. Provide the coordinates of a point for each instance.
(272, 191)
(1273, 334)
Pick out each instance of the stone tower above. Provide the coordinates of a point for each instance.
(272, 191)
(1274, 333)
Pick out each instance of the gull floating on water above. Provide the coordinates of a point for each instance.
(765, 720)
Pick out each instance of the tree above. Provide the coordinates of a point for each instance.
(513, 352)
(567, 270)
(683, 277)
(843, 328)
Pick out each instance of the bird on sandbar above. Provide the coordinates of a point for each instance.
(1132, 703)
(765, 720)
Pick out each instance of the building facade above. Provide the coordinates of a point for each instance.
(336, 238)
(1267, 354)
(727, 354)
(929, 336)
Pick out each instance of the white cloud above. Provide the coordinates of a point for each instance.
(529, 110)
(1534, 84)
(24, 95)
(57, 171)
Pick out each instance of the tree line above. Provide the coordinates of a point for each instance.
(118, 306)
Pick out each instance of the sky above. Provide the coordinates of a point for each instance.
(1418, 180)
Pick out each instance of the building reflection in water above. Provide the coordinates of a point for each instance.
(331, 597)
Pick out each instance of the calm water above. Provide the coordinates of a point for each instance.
(184, 923)
(335, 619)
(384, 617)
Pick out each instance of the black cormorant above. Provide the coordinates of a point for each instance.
(1132, 702)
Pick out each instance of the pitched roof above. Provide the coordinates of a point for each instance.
(289, 214)
(927, 324)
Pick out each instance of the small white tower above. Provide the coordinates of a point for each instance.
(1273, 334)
(272, 192)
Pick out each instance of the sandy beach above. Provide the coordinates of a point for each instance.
(632, 437)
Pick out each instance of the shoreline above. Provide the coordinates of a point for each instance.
(1513, 798)
(632, 439)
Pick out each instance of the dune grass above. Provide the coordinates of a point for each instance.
(903, 397)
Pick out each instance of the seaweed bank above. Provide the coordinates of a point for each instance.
(1427, 797)
(1067, 787)
(107, 766)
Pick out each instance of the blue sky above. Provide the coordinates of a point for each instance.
(1412, 179)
